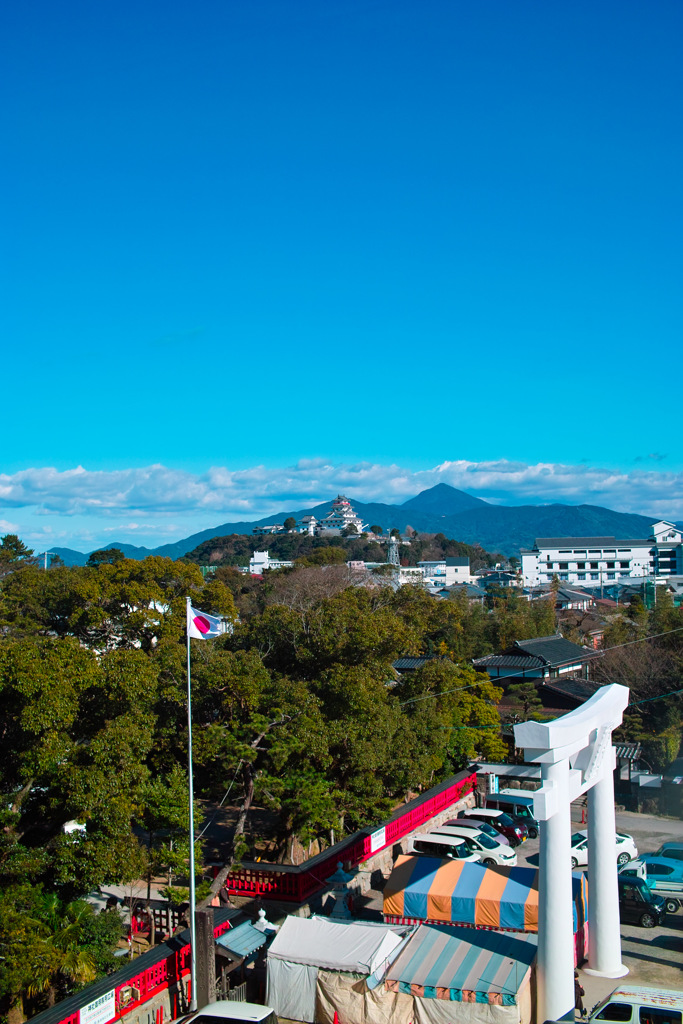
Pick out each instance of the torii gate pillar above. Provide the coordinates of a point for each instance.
(576, 756)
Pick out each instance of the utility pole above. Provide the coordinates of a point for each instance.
(46, 554)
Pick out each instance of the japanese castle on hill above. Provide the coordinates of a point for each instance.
(339, 518)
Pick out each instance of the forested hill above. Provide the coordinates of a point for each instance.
(440, 509)
(237, 549)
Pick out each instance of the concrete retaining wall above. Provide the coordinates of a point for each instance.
(380, 864)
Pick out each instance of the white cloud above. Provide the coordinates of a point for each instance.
(158, 503)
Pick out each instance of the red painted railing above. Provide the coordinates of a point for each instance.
(297, 884)
(282, 882)
(155, 978)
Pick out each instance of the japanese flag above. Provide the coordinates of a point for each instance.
(202, 626)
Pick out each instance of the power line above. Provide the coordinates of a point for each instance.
(628, 643)
(646, 699)
(642, 639)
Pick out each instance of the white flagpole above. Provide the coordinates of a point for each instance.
(193, 932)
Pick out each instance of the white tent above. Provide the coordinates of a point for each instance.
(305, 946)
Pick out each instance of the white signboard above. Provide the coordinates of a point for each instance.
(100, 1011)
(378, 839)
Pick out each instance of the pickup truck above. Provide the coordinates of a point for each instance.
(663, 876)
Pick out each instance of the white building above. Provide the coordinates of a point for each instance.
(307, 525)
(446, 572)
(596, 561)
(339, 518)
(261, 561)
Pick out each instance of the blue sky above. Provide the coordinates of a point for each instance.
(239, 235)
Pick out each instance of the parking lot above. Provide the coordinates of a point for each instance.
(654, 956)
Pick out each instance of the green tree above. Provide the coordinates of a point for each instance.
(76, 732)
(290, 523)
(105, 556)
(554, 587)
(333, 555)
(377, 530)
(50, 947)
(14, 554)
(460, 704)
(163, 813)
(525, 702)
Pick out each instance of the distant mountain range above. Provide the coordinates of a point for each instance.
(441, 509)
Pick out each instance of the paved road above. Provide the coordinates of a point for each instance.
(654, 956)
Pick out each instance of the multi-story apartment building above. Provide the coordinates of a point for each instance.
(261, 561)
(596, 561)
(446, 572)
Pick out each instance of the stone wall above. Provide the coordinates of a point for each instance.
(375, 870)
(172, 1002)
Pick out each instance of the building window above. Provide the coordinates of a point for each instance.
(610, 565)
(564, 565)
(580, 565)
(594, 565)
(582, 575)
(563, 576)
(610, 575)
(594, 576)
(624, 565)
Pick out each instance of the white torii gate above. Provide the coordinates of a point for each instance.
(576, 756)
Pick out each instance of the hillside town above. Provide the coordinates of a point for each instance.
(581, 565)
(293, 883)
(341, 513)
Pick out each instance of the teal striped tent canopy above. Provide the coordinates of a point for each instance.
(463, 965)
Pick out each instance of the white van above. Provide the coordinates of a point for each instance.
(514, 831)
(636, 1005)
(227, 1012)
(490, 852)
(450, 847)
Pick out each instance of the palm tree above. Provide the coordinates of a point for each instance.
(61, 956)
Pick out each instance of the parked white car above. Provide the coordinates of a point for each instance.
(451, 847)
(626, 848)
(489, 851)
(227, 1012)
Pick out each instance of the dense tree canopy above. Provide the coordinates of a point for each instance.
(298, 710)
(237, 549)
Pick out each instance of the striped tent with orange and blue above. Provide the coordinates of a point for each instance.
(463, 892)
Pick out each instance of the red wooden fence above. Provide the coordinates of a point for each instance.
(282, 882)
(297, 884)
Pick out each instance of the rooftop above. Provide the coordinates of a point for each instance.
(507, 661)
(409, 664)
(596, 542)
(576, 689)
(553, 650)
(544, 651)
